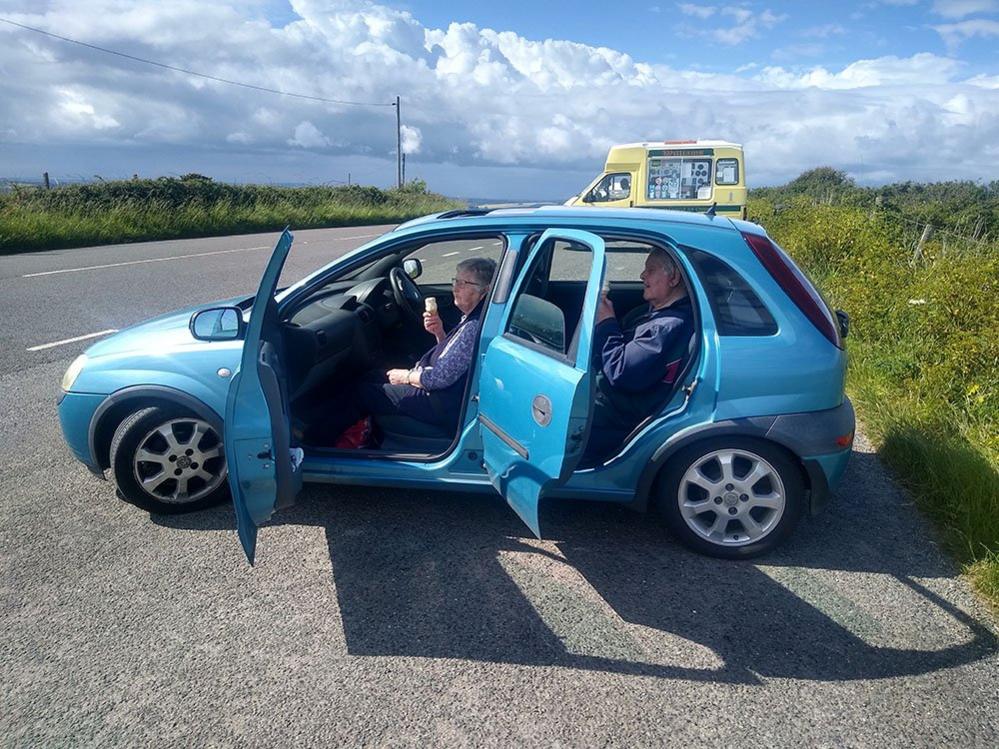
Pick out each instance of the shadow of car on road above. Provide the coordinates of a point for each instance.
(442, 575)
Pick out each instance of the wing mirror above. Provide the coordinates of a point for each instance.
(844, 323)
(218, 324)
(412, 267)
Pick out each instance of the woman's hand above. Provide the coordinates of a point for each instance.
(398, 376)
(432, 324)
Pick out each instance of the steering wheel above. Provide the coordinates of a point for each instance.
(407, 294)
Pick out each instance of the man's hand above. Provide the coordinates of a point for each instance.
(432, 324)
(398, 376)
(605, 309)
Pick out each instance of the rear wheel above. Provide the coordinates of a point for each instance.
(732, 497)
(165, 459)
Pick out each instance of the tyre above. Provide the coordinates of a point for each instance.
(166, 460)
(734, 497)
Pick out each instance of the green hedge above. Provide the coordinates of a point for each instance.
(134, 210)
(924, 354)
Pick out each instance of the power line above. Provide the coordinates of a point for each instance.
(194, 72)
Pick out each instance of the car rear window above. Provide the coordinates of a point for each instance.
(736, 307)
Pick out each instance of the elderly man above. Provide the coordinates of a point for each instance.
(640, 358)
(431, 391)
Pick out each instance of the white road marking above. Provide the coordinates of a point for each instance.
(473, 249)
(74, 340)
(176, 257)
(139, 262)
(449, 254)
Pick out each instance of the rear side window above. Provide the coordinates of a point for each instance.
(727, 172)
(736, 307)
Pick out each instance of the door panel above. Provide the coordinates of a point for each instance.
(535, 389)
(262, 476)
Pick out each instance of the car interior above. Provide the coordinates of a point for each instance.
(371, 318)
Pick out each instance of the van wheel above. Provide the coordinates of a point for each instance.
(734, 497)
(168, 461)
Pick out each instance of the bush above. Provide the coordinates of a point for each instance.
(194, 205)
(924, 346)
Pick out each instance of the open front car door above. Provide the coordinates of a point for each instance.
(262, 475)
(535, 388)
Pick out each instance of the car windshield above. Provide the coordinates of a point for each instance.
(292, 280)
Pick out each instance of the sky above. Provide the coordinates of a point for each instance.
(516, 100)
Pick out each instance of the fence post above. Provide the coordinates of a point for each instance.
(979, 225)
(878, 202)
(918, 254)
(45, 179)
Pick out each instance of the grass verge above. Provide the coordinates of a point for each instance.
(924, 362)
(141, 210)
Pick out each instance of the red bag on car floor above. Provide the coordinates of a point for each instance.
(356, 436)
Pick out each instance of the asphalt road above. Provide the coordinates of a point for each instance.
(408, 618)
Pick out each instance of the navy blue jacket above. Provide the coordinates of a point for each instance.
(639, 361)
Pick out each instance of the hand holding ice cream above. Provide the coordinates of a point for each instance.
(431, 320)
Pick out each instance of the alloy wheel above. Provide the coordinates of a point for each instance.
(180, 461)
(731, 497)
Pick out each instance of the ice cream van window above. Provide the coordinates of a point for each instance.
(679, 179)
(727, 172)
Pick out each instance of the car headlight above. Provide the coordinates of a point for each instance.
(73, 372)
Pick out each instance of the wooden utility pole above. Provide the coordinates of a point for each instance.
(404, 169)
(398, 143)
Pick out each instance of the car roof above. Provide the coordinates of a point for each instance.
(561, 213)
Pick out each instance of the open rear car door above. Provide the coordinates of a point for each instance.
(535, 388)
(262, 475)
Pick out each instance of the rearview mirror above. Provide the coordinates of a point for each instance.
(412, 267)
(217, 324)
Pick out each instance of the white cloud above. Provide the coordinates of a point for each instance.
(75, 108)
(747, 25)
(922, 69)
(308, 135)
(411, 139)
(823, 31)
(962, 8)
(472, 97)
(955, 33)
(699, 11)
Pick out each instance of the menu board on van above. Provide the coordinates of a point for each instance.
(683, 178)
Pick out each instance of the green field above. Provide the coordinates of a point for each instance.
(135, 210)
(924, 337)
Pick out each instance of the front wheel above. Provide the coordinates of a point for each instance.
(166, 460)
(731, 497)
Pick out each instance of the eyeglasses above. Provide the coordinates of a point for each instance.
(459, 282)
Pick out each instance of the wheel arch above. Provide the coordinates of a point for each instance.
(754, 428)
(117, 406)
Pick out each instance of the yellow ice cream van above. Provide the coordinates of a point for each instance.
(683, 175)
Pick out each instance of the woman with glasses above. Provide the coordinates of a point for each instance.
(432, 391)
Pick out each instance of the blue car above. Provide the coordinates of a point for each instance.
(193, 407)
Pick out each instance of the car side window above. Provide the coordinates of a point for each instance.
(737, 309)
(625, 262)
(539, 321)
(440, 258)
